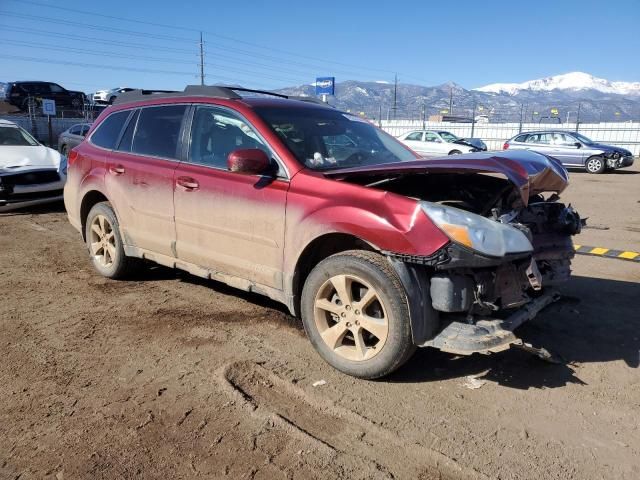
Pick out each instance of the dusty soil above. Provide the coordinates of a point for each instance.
(169, 376)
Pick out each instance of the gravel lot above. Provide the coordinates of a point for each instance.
(170, 376)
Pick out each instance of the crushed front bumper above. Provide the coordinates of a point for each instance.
(488, 335)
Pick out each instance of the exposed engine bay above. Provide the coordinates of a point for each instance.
(462, 285)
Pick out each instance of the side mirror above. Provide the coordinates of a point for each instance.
(248, 161)
(578, 145)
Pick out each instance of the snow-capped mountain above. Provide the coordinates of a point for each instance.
(376, 98)
(574, 81)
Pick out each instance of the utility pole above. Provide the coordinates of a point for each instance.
(201, 61)
(473, 119)
(451, 100)
(521, 113)
(395, 96)
(423, 117)
(380, 117)
(578, 117)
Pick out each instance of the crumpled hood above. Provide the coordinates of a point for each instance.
(530, 172)
(21, 158)
(609, 148)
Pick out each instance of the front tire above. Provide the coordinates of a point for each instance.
(64, 150)
(595, 164)
(455, 152)
(102, 233)
(355, 313)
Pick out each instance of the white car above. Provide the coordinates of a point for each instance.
(436, 143)
(30, 173)
(108, 96)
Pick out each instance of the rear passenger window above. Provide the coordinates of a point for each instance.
(158, 130)
(127, 136)
(414, 136)
(107, 133)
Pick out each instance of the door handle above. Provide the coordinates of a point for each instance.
(116, 169)
(188, 183)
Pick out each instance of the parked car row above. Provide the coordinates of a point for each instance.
(572, 149)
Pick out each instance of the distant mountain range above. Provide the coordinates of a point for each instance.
(536, 100)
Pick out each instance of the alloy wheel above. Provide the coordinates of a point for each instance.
(102, 242)
(594, 164)
(351, 318)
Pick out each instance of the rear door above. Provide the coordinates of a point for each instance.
(540, 142)
(139, 177)
(226, 221)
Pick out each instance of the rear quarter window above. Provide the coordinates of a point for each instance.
(107, 133)
(521, 138)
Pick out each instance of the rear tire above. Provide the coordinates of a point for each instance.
(64, 150)
(102, 233)
(355, 313)
(595, 164)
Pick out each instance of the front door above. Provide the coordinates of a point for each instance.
(567, 149)
(434, 145)
(226, 221)
(139, 177)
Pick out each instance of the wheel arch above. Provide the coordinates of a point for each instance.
(317, 250)
(89, 199)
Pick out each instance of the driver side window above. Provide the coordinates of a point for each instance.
(431, 137)
(216, 133)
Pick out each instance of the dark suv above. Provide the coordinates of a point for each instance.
(21, 94)
(375, 249)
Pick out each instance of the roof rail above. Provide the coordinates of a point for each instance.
(217, 91)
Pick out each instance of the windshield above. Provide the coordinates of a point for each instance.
(582, 138)
(323, 139)
(16, 137)
(448, 137)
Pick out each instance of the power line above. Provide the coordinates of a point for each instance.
(217, 76)
(252, 73)
(98, 27)
(92, 65)
(276, 60)
(96, 52)
(227, 38)
(71, 36)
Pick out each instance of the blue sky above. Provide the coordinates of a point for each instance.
(274, 44)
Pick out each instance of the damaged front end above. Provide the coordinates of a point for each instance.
(510, 245)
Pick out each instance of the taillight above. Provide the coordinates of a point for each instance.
(72, 157)
(505, 146)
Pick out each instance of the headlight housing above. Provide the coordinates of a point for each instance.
(477, 232)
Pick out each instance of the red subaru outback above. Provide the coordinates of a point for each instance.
(375, 249)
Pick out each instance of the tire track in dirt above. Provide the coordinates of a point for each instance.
(331, 430)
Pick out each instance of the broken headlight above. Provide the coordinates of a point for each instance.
(477, 232)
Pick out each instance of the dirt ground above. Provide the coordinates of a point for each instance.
(170, 376)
